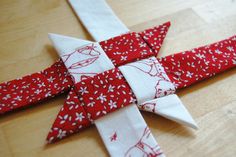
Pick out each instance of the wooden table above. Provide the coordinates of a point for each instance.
(25, 48)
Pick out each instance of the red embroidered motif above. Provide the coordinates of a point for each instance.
(153, 68)
(143, 147)
(148, 107)
(113, 137)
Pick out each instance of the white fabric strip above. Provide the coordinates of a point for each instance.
(102, 24)
(133, 139)
(147, 79)
(81, 61)
(98, 18)
(170, 107)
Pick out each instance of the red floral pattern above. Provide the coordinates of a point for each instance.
(154, 37)
(54, 80)
(126, 48)
(71, 118)
(135, 46)
(200, 63)
(104, 93)
(34, 88)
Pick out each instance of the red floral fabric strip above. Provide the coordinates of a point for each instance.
(154, 37)
(34, 88)
(133, 46)
(189, 67)
(54, 80)
(104, 93)
(71, 118)
(126, 48)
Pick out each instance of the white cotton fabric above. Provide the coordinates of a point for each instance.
(65, 44)
(82, 62)
(125, 133)
(170, 107)
(102, 24)
(147, 79)
(98, 18)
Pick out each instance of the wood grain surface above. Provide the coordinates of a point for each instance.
(25, 48)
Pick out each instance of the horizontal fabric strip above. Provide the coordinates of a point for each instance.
(189, 67)
(34, 88)
(126, 48)
(104, 93)
(148, 79)
(11, 97)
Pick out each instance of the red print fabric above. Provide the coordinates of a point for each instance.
(105, 93)
(180, 69)
(54, 80)
(200, 63)
(35, 87)
(135, 46)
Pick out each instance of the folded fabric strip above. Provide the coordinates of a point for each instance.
(54, 80)
(113, 89)
(33, 88)
(221, 50)
(189, 67)
(133, 139)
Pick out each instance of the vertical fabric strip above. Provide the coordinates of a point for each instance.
(98, 18)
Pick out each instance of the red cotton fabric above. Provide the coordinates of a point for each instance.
(104, 93)
(54, 80)
(33, 88)
(189, 67)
